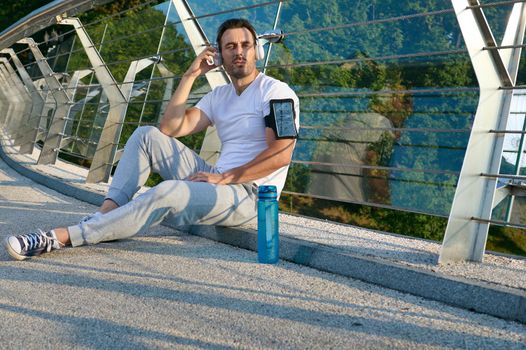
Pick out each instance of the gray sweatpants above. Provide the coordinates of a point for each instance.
(183, 202)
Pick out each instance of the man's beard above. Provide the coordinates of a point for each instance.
(241, 72)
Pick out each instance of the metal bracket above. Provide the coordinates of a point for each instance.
(491, 44)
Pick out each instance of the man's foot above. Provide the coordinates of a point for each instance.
(32, 244)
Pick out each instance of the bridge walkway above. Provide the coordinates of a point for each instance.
(170, 288)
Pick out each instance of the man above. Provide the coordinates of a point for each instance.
(254, 152)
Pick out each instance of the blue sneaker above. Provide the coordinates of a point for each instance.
(32, 244)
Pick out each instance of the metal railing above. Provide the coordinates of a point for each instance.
(387, 102)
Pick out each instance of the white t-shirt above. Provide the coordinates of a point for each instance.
(240, 122)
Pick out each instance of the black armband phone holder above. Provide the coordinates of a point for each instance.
(281, 119)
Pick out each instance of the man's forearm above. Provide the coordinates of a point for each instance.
(268, 161)
(175, 121)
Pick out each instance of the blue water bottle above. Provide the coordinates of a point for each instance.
(268, 237)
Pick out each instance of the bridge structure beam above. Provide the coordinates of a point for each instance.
(197, 37)
(30, 132)
(23, 99)
(467, 229)
(55, 131)
(103, 158)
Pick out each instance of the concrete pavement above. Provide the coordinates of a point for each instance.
(171, 290)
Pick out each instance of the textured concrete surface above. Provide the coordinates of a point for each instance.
(496, 287)
(491, 298)
(171, 290)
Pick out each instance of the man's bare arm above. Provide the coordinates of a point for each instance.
(178, 121)
(277, 155)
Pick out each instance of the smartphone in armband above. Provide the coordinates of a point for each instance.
(281, 119)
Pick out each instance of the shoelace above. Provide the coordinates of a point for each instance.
(37, 240)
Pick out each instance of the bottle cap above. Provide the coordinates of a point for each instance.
(267, 191)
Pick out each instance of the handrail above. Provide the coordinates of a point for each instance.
(43, 17)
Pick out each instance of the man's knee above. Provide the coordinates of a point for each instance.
(170, 193)
(146, 131)
(151, 135)
(148, 136)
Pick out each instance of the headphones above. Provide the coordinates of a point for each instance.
(260, 53)
(260, 50)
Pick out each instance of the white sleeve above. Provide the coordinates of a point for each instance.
(206, 105)
(280, 91)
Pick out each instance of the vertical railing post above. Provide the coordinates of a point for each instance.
(465, 236)
(71, 90)
(8, 104)
(55, 133)
(29, 137)
(103, 159)
(127, 86)
(24, 99)
(18, 98)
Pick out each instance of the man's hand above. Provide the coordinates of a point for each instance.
(277, 155)
(200, 65)
(219, 179)
(178, 121)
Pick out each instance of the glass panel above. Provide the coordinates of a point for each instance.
(387, 90)
(28, 61)
(387, 96)
(57, 48)
(259, 12)
(518, 212)
(521, 74)
(136, 105)
(511, 146)
(133, 35)
(416, 191)
(47, 116)
(175, 48)
(353, 33)
(78, 59)
(158, 90)
(75, 112)
(513, 161)
(98, 118)
(359, 135)
(85, 111)
(497, 17)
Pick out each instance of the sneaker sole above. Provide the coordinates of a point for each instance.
(11, 251)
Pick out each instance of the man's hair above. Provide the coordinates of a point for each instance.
(234, 23)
